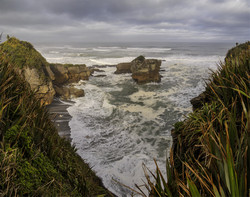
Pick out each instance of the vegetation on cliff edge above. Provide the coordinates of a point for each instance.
(210, 155)
(22, 53)
(34, 160)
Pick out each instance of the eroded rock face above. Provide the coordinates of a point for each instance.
(40, 84)
(65, 74)
(146, 70)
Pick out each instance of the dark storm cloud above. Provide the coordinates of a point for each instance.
(97, 20)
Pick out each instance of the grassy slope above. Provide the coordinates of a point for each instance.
(210, 154)
(34, 160)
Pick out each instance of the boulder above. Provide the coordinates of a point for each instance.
(146, 70)
(123, 68)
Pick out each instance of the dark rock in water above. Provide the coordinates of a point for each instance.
(100, 76)
(92, 70)
(123, 68)
(146, 70)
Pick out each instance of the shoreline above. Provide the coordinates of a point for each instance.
(61, 117)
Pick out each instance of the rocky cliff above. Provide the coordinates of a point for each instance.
(45, 79)
(143, 70)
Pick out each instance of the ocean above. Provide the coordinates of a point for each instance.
(120, 125)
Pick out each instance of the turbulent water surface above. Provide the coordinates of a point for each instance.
(119, 125)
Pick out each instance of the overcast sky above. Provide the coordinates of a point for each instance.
(126, 20)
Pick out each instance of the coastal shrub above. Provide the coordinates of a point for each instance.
(34, 160)
(210, 154)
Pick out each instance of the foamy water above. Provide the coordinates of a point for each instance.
(119, 125)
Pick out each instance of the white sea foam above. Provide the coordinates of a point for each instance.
(149, 49)
(119, 125)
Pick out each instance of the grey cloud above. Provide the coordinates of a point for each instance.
(127, 18)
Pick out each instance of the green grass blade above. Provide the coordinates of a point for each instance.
(193, 189)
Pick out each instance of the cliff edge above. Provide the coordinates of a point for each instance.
(46, 80)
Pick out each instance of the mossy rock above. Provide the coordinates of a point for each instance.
(21, 53)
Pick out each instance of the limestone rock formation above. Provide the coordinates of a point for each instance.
(40, 84)
(44, 79)
(66, 74)
(143, 70)
(69, 73)
(146, 70)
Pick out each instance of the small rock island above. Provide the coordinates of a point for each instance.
(143, 70)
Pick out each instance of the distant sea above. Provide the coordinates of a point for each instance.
(119, 124)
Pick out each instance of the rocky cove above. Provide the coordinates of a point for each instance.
(52, 80)
(49, 80)
(97, 108)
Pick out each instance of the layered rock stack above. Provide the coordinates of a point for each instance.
(143, 70)
(65, 74)
(146, 70)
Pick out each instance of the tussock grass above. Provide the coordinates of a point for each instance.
(210, 154)
(34, 160)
